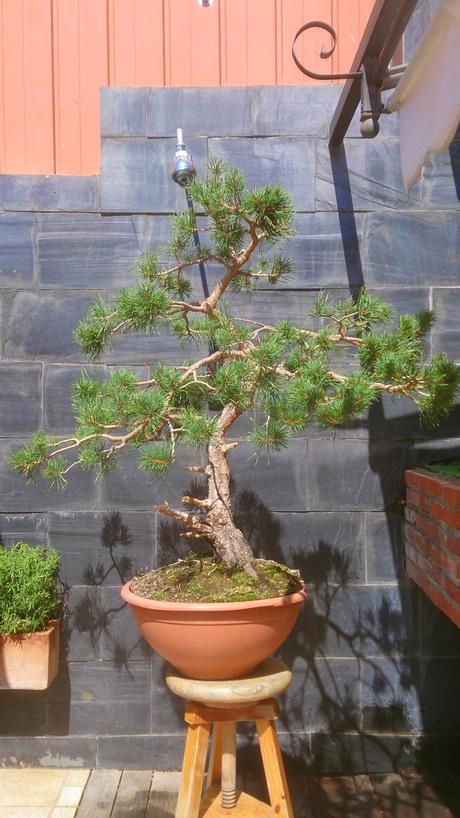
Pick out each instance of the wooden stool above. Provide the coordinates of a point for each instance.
(220, 705)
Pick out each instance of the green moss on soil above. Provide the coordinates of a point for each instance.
(450, 468)
(196, 579)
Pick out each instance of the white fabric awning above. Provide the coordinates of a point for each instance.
(428, 95)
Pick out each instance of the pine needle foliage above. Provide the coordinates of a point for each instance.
(286, 372)
(29, 598)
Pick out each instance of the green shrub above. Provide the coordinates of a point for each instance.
(28, 592)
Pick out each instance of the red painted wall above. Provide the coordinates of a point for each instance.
(56, 54)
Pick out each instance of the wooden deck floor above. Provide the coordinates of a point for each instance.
(143, 794)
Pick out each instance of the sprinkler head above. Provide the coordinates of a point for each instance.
(183, 169)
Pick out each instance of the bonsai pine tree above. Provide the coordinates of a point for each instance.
(284, 372)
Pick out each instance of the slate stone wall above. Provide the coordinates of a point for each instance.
(376, 667)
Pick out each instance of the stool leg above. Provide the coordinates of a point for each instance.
(215, 756)
(196, 746)
(229, 765)
(274, 769)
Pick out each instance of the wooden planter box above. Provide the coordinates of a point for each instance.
(432, 537)
(29, 661)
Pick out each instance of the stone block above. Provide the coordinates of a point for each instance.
(167, 709)
(440, 637)
(58, 415)
(105, 698)
(285, 161)
(324, 695)
(439, 680)
(47, 335)
(130, 487)
(377, 474)
(123, 111)
(351, 753)
(278, 484)
(29, 527)
(360, 621)
(323, 546)
(384, 547)
(71, 194)
(23, 714)
(325, 250)
(135, 174)
(440, 186)
(103, 548)
(83, 626)
(21, 406)
(49, 751)
(18, 495)
(89, 251)
(17, 263)
(403, 248)
(417, 25)
(390, 696)
(304, 110)
(121, 639)
(158, 752)
(363, 175)
(199, 112)
(446, 331)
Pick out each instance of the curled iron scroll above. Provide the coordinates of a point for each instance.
(324, 54)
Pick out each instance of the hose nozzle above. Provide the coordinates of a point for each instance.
(183, 169)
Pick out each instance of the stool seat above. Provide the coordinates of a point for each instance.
(268, 680)
(213, 710)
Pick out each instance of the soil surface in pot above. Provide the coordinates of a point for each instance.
(203, 579)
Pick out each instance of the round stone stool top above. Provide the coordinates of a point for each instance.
(269, 679)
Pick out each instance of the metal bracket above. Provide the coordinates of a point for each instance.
(371, 91)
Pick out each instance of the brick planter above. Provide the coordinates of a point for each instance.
(432, 537)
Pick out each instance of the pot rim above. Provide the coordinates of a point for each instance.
(52, 625)
(159, 605)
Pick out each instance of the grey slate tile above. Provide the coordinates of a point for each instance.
(403, 248)
(351, 753)
(135, 174)
(21, 404)
(103, 548)
(89, 251)
(304, 110)
(81, 636)
(287, 161)
(324, 695)
(123, 111)
(446, 331)
(17, 261)
(17, 495)
(323, 546)
(121, 640)
(364, 175)
(360, 621)
(279, 483)
(438, 693)
(70, 194)
(323, 250)
(27, 527)
(49, 751)
(377, 475)
(199, 112)
(58, 415)
(47, 335)
(101, 691)
(390, 696)
(385, 547)
(440, 187)
(159, 752)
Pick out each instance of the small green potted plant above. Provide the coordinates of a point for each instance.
(29, 607)
(219, 615)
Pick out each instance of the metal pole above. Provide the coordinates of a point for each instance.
(182, 173)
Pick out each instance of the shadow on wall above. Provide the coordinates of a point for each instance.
(412, 688)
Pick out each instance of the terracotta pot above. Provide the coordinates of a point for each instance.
(29, 661)
(215, 640)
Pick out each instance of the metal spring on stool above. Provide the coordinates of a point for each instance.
(228, 798)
